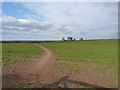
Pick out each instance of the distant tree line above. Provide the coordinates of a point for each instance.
(70, 39)
(25, 41)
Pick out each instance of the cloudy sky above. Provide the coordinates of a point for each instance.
(54, 20)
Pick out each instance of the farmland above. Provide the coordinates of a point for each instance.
(104, 52)
(94, 61)
(15, 53)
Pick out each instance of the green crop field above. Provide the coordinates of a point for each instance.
(97, 59)
(13, 53)
(101, 51)
(94, 61)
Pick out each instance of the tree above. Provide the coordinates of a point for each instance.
(68, 38)
(71, 38)
(74, 39)
(63, 39)
(81, 38)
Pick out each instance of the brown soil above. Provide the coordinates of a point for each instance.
(41, 73)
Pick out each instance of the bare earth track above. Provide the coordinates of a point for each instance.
(40, 73)
(47, 55)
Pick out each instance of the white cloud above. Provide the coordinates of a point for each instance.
(33, 30)
(23, 21)
(11, 23)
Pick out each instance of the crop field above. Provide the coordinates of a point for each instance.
(89, 61)
(96, 60)
(15, 53)
(101, 51)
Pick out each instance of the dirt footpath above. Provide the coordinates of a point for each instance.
(43, 59)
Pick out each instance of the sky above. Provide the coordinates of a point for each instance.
(54, 20)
